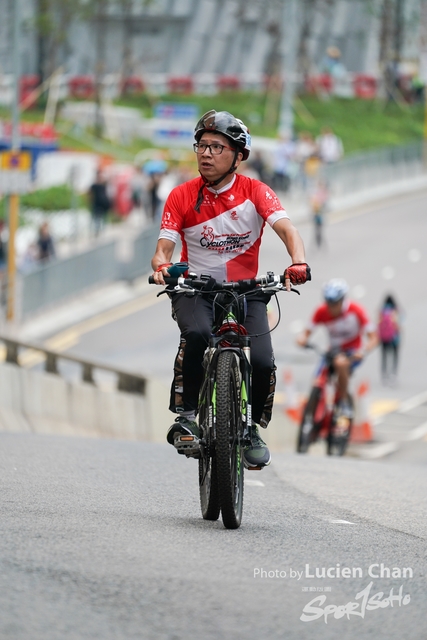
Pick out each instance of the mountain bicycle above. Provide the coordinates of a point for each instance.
(322, 417)
(225, 398)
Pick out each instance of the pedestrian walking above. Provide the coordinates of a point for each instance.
(306, 158)
(318, 204)
(45, 246)
(100, 202)
(330, 146)
(283, 158)
(389, 332)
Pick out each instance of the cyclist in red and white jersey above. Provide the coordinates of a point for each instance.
(351, 333)
(219, 218)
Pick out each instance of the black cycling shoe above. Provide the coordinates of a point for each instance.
(182, 427)
(184, 434)
(256, 455)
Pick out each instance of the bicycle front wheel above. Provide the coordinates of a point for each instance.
(208, 477)
(339, 434)
(229, 445)
(307, 431)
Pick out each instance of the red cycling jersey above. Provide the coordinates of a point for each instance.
(346, 330)
(223, 240)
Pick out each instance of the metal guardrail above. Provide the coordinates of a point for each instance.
(61, 279)
(143, 250)
(126, 380)
(373, 168)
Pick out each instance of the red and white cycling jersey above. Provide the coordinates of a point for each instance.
(346, 330)
(223, 240)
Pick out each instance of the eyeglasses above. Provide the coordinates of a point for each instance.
(215, 149)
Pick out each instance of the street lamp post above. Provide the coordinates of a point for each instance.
(291, 27)
(423, 71)
(15, 146)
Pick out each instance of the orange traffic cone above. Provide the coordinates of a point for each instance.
(362, 425)
(293, 406)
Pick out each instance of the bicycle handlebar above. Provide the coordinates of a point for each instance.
(210, 285)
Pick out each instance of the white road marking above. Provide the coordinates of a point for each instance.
(341, 522)
(417, 433)
(70, 337)
(359, 291)
(254, 483)
(414, 255)
(388, 273)
(379, 450)
(411, 403)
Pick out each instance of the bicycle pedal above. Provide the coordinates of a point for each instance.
(259, 468)
(187, 444)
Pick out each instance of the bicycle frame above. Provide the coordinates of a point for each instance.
(320, 417)
(225, 398)
(232, 336)
(324, 411)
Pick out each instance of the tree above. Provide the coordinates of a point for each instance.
(127, 11)
(308, 15)
(52, 20)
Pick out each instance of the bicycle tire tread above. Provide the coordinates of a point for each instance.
(231, 513)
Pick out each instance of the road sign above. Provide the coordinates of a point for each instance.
(179, 136)
(176, 111)
(15, 172)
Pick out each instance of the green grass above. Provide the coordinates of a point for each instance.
(52, 199)
(361, 124)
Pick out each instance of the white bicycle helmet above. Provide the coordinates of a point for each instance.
(335, 290)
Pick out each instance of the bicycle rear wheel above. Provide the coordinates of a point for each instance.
(307, 429)
(208, 477)
(229, 446)
(339, 434)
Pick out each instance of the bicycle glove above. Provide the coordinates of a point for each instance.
(298, 273)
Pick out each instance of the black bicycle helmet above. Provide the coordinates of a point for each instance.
(231, 127)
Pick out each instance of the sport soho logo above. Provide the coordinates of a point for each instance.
(321, 608)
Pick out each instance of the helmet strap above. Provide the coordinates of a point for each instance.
(206, 183)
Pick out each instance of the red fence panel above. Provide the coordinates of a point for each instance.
(228, 83)
(180, 84)
(82, 87)
(365, 86)
(133, 85)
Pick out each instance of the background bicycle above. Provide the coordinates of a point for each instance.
(322, 416)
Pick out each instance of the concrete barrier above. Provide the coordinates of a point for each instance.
(44, 403)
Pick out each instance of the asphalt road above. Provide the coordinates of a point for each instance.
(104, 539)
(377, 249)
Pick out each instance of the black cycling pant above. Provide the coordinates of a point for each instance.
(194, 316)
(389, 357)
